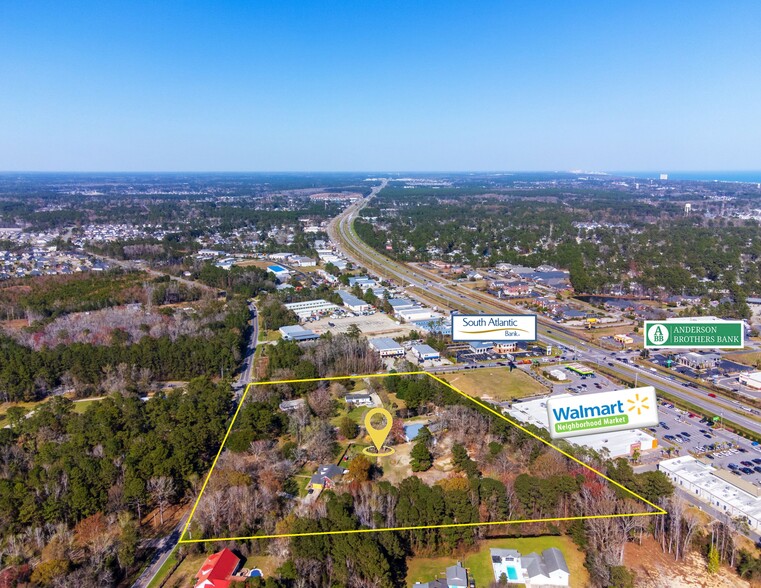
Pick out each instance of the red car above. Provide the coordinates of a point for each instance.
(712, 395)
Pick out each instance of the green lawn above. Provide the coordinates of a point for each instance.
(424, 569)
(269, 335)
(498, 383)
(164, 570)
(81, 407)
(356, 414)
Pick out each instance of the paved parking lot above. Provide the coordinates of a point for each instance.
(700, 435)
(577, 384)
(372, 325)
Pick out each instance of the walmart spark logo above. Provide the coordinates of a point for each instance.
(638, 404)
(570, 415)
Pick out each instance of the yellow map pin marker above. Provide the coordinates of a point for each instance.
(378, 435)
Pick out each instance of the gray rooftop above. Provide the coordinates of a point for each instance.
(384, 343)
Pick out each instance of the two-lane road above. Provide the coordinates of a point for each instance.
(166, 545)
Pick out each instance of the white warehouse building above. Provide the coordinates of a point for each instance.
(386, 346)
(310, 308)
(721, 489)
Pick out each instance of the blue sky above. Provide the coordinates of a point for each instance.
(380, 85)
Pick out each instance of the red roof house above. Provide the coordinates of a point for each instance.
(217, 569)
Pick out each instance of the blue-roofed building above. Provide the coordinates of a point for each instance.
(279, 271)
(437, 325)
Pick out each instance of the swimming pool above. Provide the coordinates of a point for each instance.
(512, 573)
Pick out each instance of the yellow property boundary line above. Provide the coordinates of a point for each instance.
(658, 510)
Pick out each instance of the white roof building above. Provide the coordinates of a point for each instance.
(309, 308)
(547, 569)
(424, 352)
(724, 491)
(386, 346)
(752, 380)
(618, 443)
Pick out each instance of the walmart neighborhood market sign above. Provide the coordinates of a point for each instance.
(711, 334)
(493, 327)
(570, 416)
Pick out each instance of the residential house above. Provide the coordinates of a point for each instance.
(456, 577)
(291, 405)
(326, 476)
(547, 569)
(359, 399)
(217, 570)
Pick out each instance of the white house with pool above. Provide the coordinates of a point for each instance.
(547, 569)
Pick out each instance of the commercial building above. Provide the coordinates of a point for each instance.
(387, 347)
(425, 352)
(616, 443)
(434, 325)
(297, 333)
(401, 304)
(363, 282)
(558, 375)
(481, 347)
(417, 313)
(752, 380)
(724, 491)
(698, 361)
(623, 339)
(310, 308)
(353, 303)
(280, 272)
(505, 347)
(580, 369)
(547, 569)
(302, 261)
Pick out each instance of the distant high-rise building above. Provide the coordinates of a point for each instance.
(687, 208)
(664, 176)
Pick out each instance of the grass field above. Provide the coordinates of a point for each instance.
(265, 335)
(424, 569)
(498, 383)
(164, 570)
(750, 359)
(79, 407)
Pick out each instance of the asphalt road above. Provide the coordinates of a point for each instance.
(166, 545)
(432, 286)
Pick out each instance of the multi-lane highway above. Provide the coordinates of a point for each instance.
(430, 288)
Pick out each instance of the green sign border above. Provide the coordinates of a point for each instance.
(667, 345)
